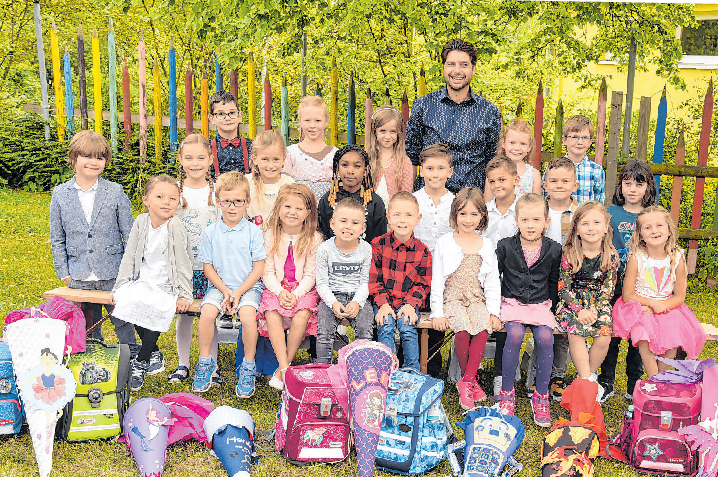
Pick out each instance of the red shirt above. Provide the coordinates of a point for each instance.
(400, 272)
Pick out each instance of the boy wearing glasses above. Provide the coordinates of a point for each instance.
(233, 254)
(231, 150)
(578, 137)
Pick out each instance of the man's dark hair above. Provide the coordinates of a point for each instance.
(459, 45)
(223, 97)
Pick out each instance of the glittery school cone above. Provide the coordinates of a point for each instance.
(145, 430)
(230, 434)
(368, 367)
(45, 384)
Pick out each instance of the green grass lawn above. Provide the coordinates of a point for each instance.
(26, 271)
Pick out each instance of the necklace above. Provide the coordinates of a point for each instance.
(390, 163)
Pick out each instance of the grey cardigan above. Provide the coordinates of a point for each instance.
(177, 255)
(79, 248)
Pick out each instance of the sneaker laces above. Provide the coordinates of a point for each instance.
(542, 407)
(245, 377)
(202, 370)
(137, 370)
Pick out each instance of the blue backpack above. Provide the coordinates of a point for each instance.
(415, 428)
(491, 440)
(12, 413)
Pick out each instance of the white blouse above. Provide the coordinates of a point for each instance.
(446, 260)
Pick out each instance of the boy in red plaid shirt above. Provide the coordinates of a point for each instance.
(400, 277)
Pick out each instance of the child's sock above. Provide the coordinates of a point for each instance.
(462, 340)
(543, 337)
(183, 330)
(512, 353)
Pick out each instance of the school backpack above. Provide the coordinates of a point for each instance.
(103, 393)
(491, 440)
(12, 413)
(649, 439)
(313, 424)
(414, 431)
(569, 449)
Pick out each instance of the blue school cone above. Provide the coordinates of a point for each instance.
(230, 434)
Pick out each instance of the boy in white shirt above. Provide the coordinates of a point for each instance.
(435, 207)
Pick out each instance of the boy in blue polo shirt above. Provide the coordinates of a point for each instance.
(233, 254)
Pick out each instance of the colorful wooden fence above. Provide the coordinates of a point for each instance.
(66, 112)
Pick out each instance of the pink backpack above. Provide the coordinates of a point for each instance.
(649, 437)
(313, 424)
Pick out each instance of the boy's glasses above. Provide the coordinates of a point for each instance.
(229, 203)
(230, 115)
(579, 138)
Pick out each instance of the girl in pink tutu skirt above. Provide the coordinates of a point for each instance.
(652, 311)
(290, 300)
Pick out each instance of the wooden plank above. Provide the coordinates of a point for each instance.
(697, 234)
(684, 171)
(601, 122)
(644, 117)
(678, 180)
(614, 136)
(538, 125)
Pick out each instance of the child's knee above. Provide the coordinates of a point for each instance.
(208, 313)
(248, 316)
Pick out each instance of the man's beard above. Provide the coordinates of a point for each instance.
(466, 83)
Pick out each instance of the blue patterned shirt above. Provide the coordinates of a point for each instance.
(231, 158)
(471, 129)
(591, 181)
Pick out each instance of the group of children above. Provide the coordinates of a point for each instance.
(290, 241)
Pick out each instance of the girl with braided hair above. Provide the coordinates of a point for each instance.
(352, 178)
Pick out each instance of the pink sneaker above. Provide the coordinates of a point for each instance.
(479, 394)
(542, 409)
(507, 402)
(466, 394)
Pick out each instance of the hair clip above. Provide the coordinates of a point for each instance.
(385, 108)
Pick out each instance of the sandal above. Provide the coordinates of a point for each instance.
(276, 382)
(179, 375)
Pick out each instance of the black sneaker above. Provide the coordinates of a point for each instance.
(157, 363)
(607, 392)
(139, 372)
(557, 386)
(629, 391)
(225, 321)
(217, 381)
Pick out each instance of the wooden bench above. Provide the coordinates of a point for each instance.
(230, 335)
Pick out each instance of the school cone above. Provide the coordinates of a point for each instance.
(145, 430)
(368, 367)
(230, 435)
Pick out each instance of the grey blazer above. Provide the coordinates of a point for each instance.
(177, 255)
(79, 248)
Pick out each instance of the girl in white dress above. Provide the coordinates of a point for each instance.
(155, 276)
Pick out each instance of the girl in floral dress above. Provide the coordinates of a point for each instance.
(585, 287)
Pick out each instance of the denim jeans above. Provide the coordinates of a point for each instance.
(409, 338)
(362, 324)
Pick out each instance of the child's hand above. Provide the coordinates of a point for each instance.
(648, 310)
(67, 281)
(352, 310)
(339, 310)
(287, 299)
(227, 301)
(587, 316)
(112, 300)
(496, 323)
(383, 314)
(408, 312)
(182, 305)
(439, 323)
(659, 307)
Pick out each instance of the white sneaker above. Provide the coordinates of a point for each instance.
(498, 380)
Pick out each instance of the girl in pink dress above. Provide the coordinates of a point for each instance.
(652, 310)
(290, 300)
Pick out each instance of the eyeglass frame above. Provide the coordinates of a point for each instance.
(226, 204)
(577, 138)
(229, 114)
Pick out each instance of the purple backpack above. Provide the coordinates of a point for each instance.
(313, 423)
(649, 437)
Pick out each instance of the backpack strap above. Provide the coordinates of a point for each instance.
(245, 154)
(215, 157)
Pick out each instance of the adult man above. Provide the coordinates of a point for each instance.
(454, 115)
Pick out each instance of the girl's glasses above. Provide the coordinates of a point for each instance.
(229, 203)
(230, 115)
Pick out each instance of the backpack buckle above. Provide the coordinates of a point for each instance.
(325, 407)
(666, 419)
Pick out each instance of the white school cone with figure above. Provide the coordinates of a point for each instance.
(45, 384)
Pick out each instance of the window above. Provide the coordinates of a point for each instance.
(702, 40)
